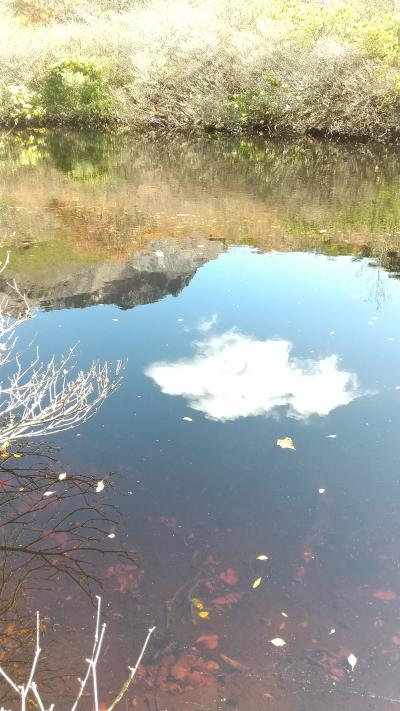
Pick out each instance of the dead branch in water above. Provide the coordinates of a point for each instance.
(30, 688)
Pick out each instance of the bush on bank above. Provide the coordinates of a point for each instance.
(283, 66)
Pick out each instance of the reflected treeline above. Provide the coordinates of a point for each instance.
(54, 535)
(73, 199)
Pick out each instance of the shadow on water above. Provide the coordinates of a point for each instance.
(253, 446)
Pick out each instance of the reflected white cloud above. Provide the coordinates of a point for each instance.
(206, 325)
(233, 375)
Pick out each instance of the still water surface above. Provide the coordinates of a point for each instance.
(252, 288)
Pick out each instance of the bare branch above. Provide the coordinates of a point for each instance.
(36, 398)
(31, 685)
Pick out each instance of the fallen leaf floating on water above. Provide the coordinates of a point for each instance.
(278, 642)
(262, 557)
(285, 443)
(352, 660)
(284, 614)
(187, 419)
(62, 476)
(49, 493)
(385, 595)
(111, 535)
(256, 583)
(17, 455)
(100, 486)
(197, 603)
(203, 614)
(321, 491)
(332, 631)
(331, 436)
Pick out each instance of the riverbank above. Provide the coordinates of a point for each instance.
(280, 67)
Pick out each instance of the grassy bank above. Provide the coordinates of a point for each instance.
(283, 66)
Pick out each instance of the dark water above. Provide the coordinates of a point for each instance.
(253, 288)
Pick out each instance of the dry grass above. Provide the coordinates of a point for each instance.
(283, 65)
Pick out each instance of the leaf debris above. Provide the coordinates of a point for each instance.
(285, 443)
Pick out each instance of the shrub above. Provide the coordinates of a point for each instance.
(77, 92)
(381, 39)
(19, 105)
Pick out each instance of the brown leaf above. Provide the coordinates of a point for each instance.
(229, 576)
(385, 595)
(208, 640)
(229, 599)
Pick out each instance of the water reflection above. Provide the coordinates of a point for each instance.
(56, 535)
(233, 375)
(121, 220)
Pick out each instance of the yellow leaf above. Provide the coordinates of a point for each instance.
(17, 455)
(4, 454)
(203, 614)
(257, 582)
(285, 443)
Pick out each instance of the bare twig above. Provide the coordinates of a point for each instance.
(38, 398)
(30, 686)
(133, 671)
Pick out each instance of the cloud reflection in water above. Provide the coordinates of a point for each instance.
(232, 375)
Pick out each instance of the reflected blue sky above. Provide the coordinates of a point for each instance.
(325, 308)
(255, 347)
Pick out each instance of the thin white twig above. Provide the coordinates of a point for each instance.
(92, 662)
(133, 671)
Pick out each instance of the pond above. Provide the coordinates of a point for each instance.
(251, 499)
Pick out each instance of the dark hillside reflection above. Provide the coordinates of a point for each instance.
(251, 506)
(163, 268)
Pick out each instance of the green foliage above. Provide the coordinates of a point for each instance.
(253, 107)
(77, 92)
(20, 105)
(247, 107)
(381, 39)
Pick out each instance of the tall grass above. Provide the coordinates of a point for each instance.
(330, 66)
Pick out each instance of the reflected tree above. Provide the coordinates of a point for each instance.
(53, 527)
(37, 398)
